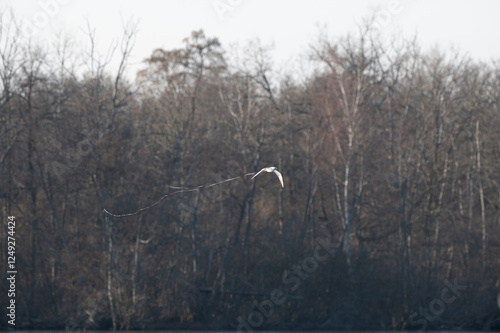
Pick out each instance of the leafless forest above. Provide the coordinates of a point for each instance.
(387, 150)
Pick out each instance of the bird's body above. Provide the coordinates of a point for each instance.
(271, 169)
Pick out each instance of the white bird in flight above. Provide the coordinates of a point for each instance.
(271, 169)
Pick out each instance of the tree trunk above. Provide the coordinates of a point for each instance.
(136, 262)
(109, 222)
(481, 197)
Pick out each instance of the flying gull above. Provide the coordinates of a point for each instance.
(271, 169)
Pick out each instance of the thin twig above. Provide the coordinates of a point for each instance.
(180, 190)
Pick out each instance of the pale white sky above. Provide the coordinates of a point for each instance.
(471, 26)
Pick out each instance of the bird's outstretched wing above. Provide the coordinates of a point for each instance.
(279, 176)
(257, 174)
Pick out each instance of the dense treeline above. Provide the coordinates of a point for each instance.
(389, 218)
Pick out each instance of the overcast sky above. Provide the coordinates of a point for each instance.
(471, 26)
